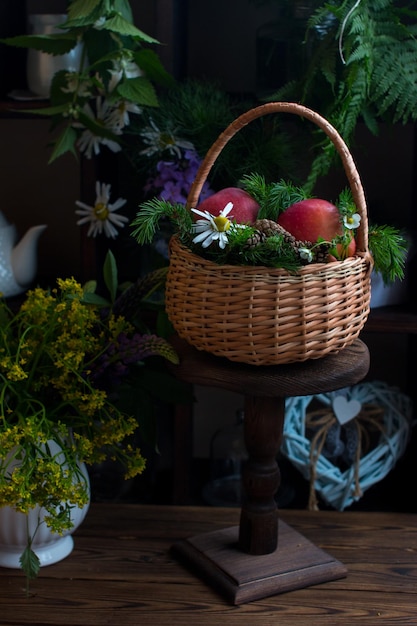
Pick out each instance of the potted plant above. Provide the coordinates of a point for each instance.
(90, 107)
(65, 356)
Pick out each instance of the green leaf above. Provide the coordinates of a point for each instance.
(94, 298)
(81, 9)
(90, 286)
(123, 7)
(29, 562)
(150, 63)
(110, 274)
(49, 111)
(51, 44)
(118, 24)
(139, 90)
(64, 143)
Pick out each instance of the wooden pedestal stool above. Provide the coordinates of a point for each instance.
(263, 556)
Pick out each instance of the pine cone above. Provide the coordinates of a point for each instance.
(254, 240)
(321, 253)
(271, 228)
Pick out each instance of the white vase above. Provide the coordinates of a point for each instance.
(41, 66)
(49, 547)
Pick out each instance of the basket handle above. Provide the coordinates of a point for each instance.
(297, 109)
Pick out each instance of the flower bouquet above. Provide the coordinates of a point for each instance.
(265, 275)
(64, 356)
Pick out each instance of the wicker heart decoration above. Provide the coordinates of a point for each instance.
(345, 410)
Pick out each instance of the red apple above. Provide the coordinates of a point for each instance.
(311, 219)
(343, 252)
(245, 208)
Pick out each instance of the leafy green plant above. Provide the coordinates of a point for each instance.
(67, 357)
(189, 119)
(362, 67)
(116, 76)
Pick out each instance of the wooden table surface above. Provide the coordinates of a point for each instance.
(122, 573)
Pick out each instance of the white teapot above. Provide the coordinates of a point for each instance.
(18, 260)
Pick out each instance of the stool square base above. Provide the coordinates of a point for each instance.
(242, 578)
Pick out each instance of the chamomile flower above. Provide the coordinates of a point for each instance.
(89, 143)
(352, 221)
(118, 116)
(101, 216)
(161, 140)
(212, 228)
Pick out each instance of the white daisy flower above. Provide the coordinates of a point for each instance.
(212, 228)
(159, 140)
(352, 221)
(129, 68)
(124, 67)
(119, 115)
(101, 216)
(306, 254)
(89, 143)
(115, 78)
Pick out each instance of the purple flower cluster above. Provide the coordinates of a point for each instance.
(174, 179)
(114, 363)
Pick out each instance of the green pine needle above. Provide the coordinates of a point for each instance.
(273, 252)
(273, 198)
(345, 202)
(151, 213)
(389, 249)
(255, 184)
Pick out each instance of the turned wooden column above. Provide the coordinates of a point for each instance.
(264, 421)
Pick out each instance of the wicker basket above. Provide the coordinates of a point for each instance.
(267, 316)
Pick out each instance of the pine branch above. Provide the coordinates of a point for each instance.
(151, 213)
(273, 198)
(389, 250)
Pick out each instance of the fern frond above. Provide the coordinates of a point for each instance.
(374, 79)
(395, 82)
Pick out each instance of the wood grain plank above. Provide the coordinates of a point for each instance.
(122, 572)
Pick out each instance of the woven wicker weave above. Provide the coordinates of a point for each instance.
(337, 485)
(264, 316)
